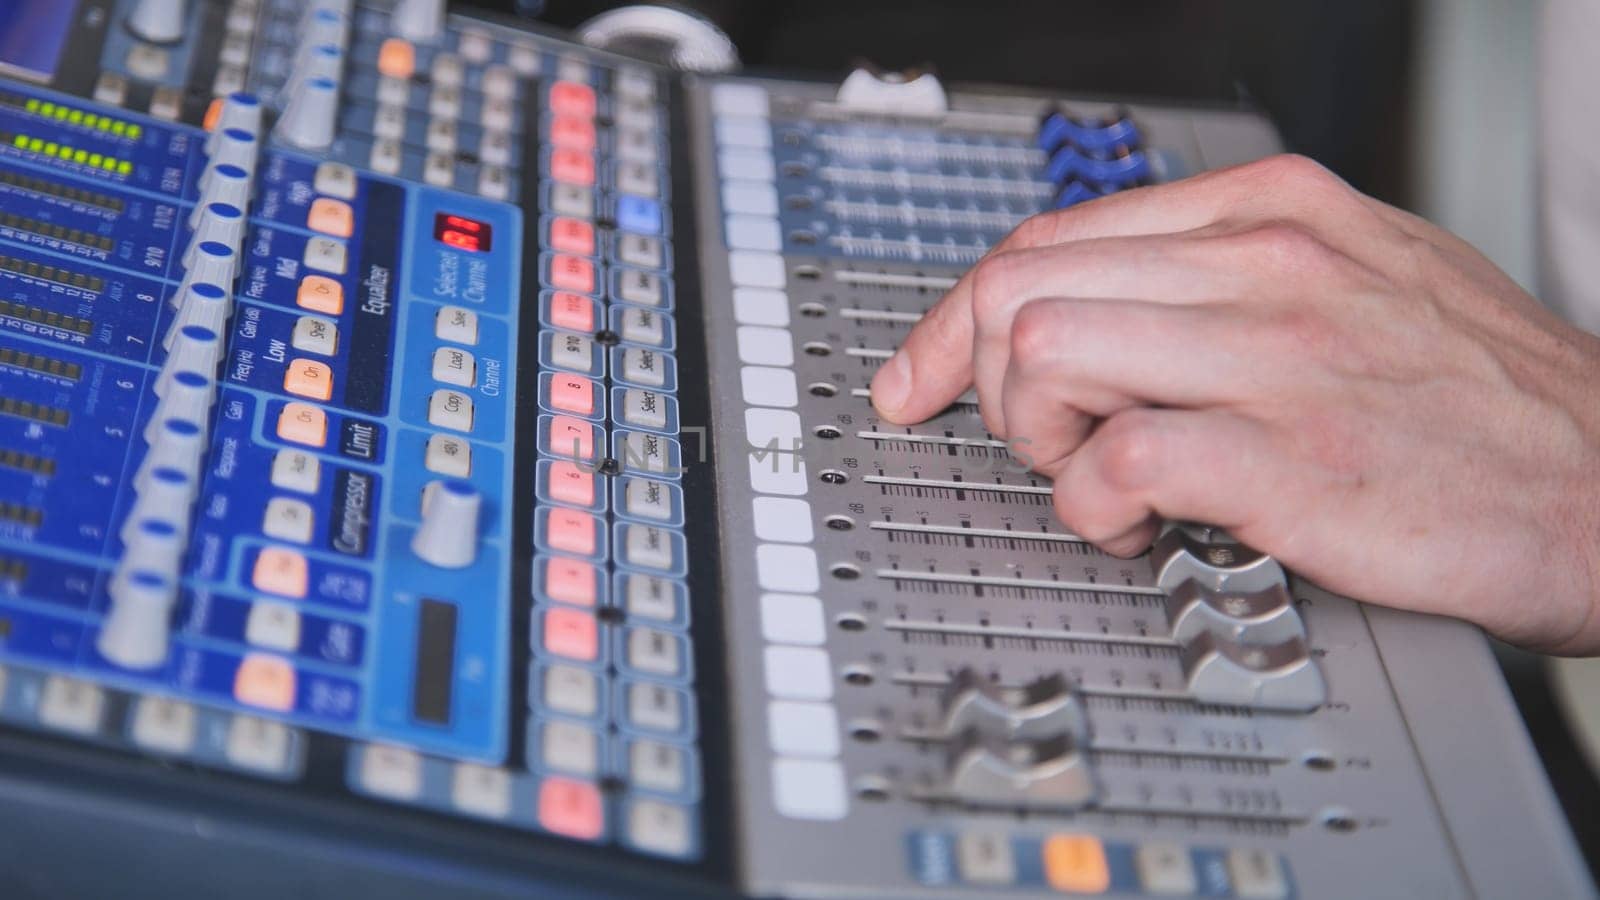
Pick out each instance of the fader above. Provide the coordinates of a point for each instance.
(436, 458)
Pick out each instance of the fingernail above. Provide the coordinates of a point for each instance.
(892, 384)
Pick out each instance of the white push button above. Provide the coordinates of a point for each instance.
(450, 409)
(288, 520)
(647, 409)
(448, 455)
(296, 470)
(457, 325)
(642, 326)
(335, 180)
(648, 499)
(646, 367)
(573, 352)
(314, 335)
(649, 547)
(324, 254)
(456, 367)
(275, 626)
(258, 744)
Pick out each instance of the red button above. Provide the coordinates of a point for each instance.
(570, 483)
(572, 312)
(572, 438)
(572, 167)
(569, 98)
(570, 531)
(573, 394)
(571, 633)
(572, 273)
(571, 808)
(572, 236)
(570, 581)
(573, 132)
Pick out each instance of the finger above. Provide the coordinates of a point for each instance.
(1186, 268)
(1072, 362)
(933, 367)
(1145, 464)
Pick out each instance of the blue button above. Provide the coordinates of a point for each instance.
(638, 214)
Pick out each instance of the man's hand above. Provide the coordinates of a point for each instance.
(1336, 382)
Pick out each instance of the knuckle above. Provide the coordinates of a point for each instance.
(1295, 170)
(1288, 241)
(1133, 452)
(1035, 334)
(991, 287)
(1035, 230)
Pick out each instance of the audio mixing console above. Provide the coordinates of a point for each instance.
(436, 459)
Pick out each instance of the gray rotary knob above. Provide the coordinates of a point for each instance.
(157, 21)
(448, 536)
(308, 118)
(135, 634)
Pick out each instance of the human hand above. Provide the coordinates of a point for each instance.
(1334, 381)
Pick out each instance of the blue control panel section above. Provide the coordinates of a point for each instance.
(368, 356)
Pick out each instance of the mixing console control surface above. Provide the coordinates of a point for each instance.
(463, 437)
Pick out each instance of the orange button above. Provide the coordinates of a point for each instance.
(572, 236)
(322, 294)
(308, 378)
(570, 581)
(569, 98)
(571, 808)
(570, 483)
(1077, 862)
(570, 531)
(331, 216)
(265, 681)
(281, 571)
(572, 132)
(213, 113)
(572, 273)
(571, 633)
(572, 312)
(397, 58)
(572, 167)
(573, 394)
(572, 438)
(301, 423)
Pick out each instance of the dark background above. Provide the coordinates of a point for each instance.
(1334, 75)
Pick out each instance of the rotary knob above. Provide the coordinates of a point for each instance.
(160, 493)
(135, 634)
(195, 349)
(320, 61)
(448, 536)
(188, 398)
(240, 112)
(157, 21)
(205, 305)
(308, 118)
(232, 147)
(218, 223)
(206, 262)
(418, 20)
(225, 184)
(179, 444)
(157, 544)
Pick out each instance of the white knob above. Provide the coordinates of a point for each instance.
(160, 494)
(205, 305)
(325, 23)
(232, 147)
(156, 545)
(188, 398)
(448, 536)
(321, 61)
(221, 223)
(195, 349)
(135, 632)
(206, 262)
(240, 111)
(308, 119)
(221, 184)
(418, 20)
(157, 21)
(179, 444)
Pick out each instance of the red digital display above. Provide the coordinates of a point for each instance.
(462, 233)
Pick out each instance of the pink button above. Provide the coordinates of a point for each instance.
(569, 98)
(571, 808)
(572, 312)
(571, 633)
(573, 394)
(571, 484)
(572, 438)
(573, 132)
(570, 581)
(572, 167)
(572, 273)
(570, 531)
(572, 236)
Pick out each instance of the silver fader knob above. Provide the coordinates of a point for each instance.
(1212, 559)
(135, 632)
(417, 20)
(157, 544)
(308, 118)
(240, 112)
(206, 262)
(157, 21)
(1280, 676)
(188, 397)
(160, 494)
(1049, 774)
(205, 305)
(225, 184)
(195, 349)
(1259, 617)
(1045, 708)
(448, 536)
